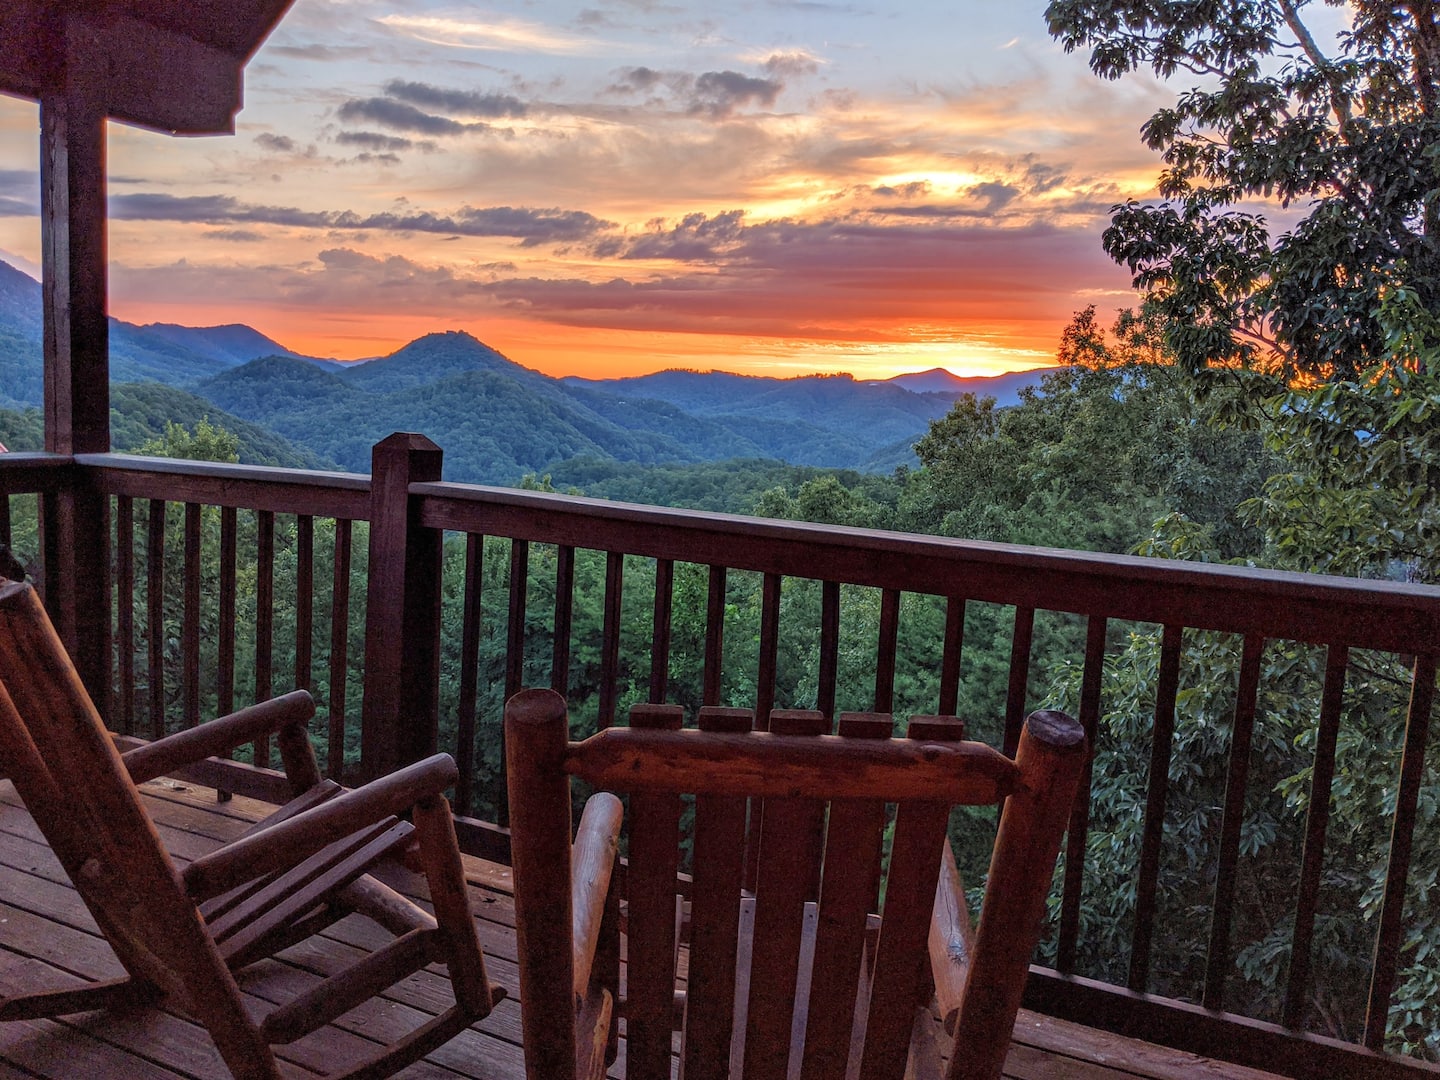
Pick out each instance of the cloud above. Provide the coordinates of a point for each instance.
(236, 236)
(696, 238)
(792, 64)
(465, 102)
(638, 80)
(402, 117)
(373, 140)
(532, 227)
(280, 144)
(719, 94)
(506, 35)
(714, 94)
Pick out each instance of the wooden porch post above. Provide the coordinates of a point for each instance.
(75, 522)
(400, 716)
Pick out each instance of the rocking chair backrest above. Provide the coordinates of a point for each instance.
(55, 749)
(798, 777)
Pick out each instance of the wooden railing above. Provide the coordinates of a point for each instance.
(415, 523)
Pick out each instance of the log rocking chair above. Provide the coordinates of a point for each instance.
(180, 933)
(794, 977)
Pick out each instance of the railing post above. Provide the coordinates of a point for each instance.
(400, 717)
(75, 521)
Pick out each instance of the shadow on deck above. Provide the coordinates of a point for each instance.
(47, 938)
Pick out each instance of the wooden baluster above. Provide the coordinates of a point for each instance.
(790, 841)
(829, 647)
(470, 632)
(515, 626)
(950, 660)
(1021, 639)
(660, 630)
(654, 863)
(124, 610)
(1317, 820)
(714, 636)
(1217, 960)
(304, 601)
(1157, 792)
(339, 650)
(885, 648)
(564, 618)
(719, 858)
(264, 619)
(1079, 830)
(610, 638)
(225, 660)
(155, 615)
(1402, 835)
(190, 619)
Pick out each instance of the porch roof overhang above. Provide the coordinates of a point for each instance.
(171, 65)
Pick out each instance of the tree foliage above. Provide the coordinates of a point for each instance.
(1300, 179)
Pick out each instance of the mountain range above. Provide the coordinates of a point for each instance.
(496, 420)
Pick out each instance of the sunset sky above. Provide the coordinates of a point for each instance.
(776, 187)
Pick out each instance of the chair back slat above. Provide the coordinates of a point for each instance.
(847, 896)
(901, 981)
(654, 862)
(719, 860)
(789, 847)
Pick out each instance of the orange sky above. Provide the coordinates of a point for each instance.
(615, 190)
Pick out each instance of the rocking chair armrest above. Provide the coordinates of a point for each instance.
(952, 940)
(592, 864)
(291, 841)
(218, 736)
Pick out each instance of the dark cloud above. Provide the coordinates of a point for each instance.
(465, 102)
(530, 226)
(696, 238)
(639, 80)
(789, 65)
(995, 196)
(915, 189)
(373, 140)
(235, 236)
(402, 117)
(716, 94)
(1042, 178)
(368, 158)
(719, 94)
(280, 144)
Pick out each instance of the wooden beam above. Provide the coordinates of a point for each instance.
(75, 521)
(157, 66)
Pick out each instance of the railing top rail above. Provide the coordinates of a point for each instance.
(24, 471)
(1308, 607)
(1385, 615)
(256, 487)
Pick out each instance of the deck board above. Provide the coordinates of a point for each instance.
(47, 938)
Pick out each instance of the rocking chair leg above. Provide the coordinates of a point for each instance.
(100, 995)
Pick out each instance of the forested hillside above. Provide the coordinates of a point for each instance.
(498, 420)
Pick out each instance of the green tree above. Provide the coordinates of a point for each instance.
(208, 442)
(1279, 119)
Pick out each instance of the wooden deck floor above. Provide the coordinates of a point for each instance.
(47, 938)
